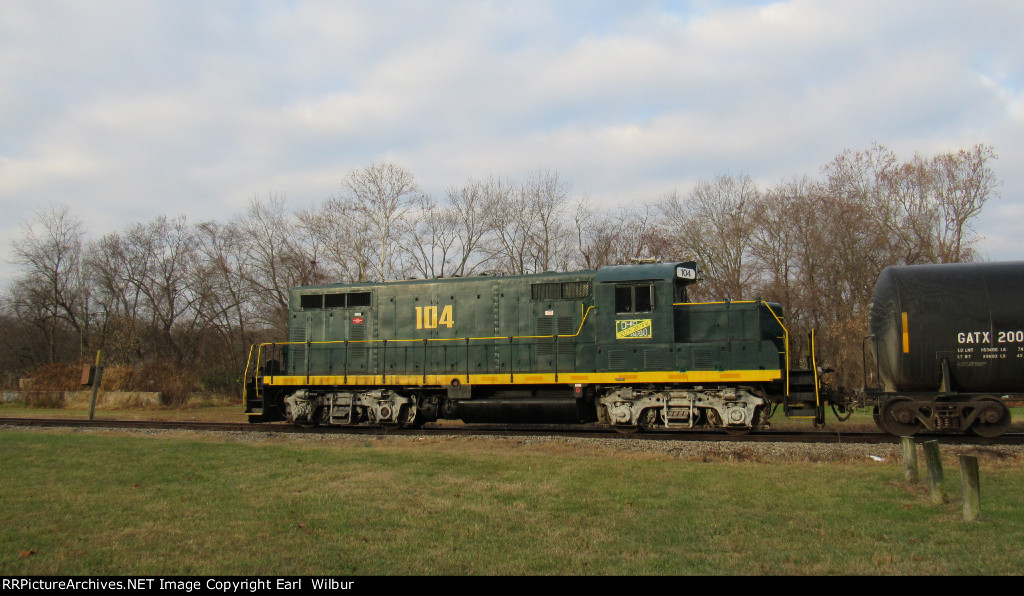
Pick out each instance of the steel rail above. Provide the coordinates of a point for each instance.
(567, 431)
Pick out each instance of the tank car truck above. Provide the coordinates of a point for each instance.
(948, 346)
(621, 346)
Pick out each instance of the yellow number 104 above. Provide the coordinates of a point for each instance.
(426, 317)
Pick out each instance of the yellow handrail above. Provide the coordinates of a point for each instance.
(785, 339)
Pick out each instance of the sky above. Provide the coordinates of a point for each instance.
(128, 110)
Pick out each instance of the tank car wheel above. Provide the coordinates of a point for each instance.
(994, 418)
(897, 418)
(738, 430)
(626, 430)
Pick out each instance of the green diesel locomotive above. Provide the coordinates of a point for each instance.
(620, 346)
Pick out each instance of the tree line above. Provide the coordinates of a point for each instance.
(196, 294)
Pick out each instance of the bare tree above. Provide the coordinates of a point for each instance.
(337, 241)
(925, 206)
(171, 290)
(780, 231)
(906, 209)
(596, 235)
(546, 196)
(511, 223)
(50, 250)
(716, 224)
(433, 241)
(530, 223)
(379, 199)
(468, 206)
(617, 239)
(271, 242)
(226, 306)
(110, 274)
(964, 182)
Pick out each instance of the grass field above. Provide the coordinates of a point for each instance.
(202, 504)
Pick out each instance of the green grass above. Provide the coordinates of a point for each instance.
(109, 503)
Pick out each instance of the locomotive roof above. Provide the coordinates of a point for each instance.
(643, 271)
(613, 273)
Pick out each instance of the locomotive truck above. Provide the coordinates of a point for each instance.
(619, 346)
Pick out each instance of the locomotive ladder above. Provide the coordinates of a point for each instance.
(251, 395)
(803, 398)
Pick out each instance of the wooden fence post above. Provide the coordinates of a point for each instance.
(909, 459)
(970, 487)
(934, 462)
(96, 380)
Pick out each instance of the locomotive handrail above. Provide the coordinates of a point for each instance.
(259, 352)
(245, 379)
(719, 302)
(785, 340)
(397, 344)
(418, 339)
(814, 367)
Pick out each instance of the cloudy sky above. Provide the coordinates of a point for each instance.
(126, 110)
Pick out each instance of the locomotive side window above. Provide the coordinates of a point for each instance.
(311, 301)
(569, 290)
(644, 301)
(576, 289)
(623, 299)
(334, 300)
(638, 298)
(545, 291)
(359, 299)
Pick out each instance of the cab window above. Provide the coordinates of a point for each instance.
(634, 298)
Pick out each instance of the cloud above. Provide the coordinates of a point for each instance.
(130, 110)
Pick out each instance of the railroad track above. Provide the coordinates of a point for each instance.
(822, 436)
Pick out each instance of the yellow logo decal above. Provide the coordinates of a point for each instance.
(638, 329)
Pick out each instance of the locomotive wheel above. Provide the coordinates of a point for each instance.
(896, 417)
(993, 418)
(309, 423)
(744, 430)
